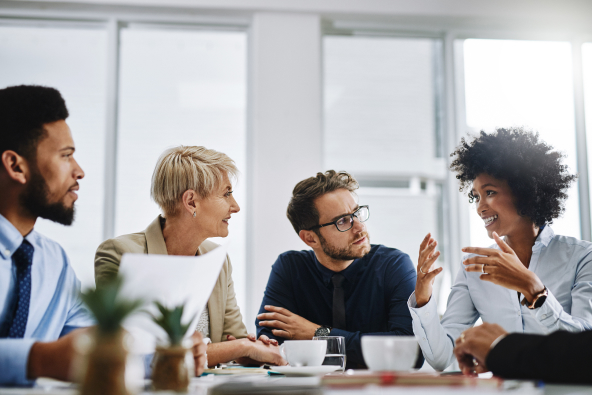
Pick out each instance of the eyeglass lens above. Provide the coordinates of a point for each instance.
(347, 221)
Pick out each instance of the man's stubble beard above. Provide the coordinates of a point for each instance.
(343, 254)
(35, 200)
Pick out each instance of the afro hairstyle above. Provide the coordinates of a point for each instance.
(532, 168)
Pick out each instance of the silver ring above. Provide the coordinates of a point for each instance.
(422, 271)
(462, 337)
(483, 268)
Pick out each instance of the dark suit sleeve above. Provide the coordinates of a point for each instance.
(400, 281)
(561, 357)
(278, 293)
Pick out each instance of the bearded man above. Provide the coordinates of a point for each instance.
(343, 287)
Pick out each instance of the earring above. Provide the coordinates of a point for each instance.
(194, 214)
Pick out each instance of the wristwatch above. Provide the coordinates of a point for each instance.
(323, 331)
(537, 301)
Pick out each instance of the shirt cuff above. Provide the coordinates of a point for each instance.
(548, 314)
(14, 358)
(496, 341)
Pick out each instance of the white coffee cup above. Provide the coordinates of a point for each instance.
(304, 352)
(390, 352)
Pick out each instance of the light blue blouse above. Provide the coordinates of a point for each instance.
(55, 307)
(564, 265)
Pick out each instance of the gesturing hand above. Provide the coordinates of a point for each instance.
(287, 324)
(503, 267)
(473, 345)
(425, 274)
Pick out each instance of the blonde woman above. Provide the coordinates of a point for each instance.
(193, 189)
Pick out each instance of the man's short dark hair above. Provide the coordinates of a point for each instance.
(533, 170)
(302, 211)
(24, 109)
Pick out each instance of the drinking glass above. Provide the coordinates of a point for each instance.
(335, 350)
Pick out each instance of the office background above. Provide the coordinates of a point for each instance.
(382, 89)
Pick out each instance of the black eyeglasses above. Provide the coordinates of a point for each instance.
(345, 223)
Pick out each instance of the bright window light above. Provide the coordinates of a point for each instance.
(587, 64)
(523, 83)
(180, 87)
(72, 61)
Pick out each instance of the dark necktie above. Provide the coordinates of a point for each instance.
(17, 323)
(338, 301)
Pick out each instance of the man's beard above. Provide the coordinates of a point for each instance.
(35, 199)
(343, 254)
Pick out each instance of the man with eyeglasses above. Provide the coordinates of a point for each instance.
(343, 287)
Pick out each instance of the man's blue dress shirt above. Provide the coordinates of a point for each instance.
(376, 288)
(55, 308)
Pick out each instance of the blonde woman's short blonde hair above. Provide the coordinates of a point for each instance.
(188, 167)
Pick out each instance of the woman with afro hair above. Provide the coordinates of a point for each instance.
(529, 281)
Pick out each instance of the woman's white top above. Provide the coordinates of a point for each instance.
(564, 265)
(203, 325)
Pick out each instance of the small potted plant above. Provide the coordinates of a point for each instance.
(105, 368)
(170, 370)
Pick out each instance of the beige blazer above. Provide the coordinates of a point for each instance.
(225, 315)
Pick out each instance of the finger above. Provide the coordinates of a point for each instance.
(230, 337)
(428, 250)
(480, 251)
(475, 268)
(424, 242)
(280, 310)
(502, 244)
(273, 316)
(427, 265)
(281, 333)
(274, 324)
(479, 259)
(433, 273)
(200, 364)
(488, 277)
(480, 369)
(273, 342)
(264, 339)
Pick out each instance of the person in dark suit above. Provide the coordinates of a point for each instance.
(560, 357)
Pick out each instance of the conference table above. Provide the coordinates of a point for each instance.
(258, 384)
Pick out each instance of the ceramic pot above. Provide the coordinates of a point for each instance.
(170, 371)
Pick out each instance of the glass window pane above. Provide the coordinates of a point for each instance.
(587, 64)
(380, 104)
(74, 62)
(180, 88)
(523, 83)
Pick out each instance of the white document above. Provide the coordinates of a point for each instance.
(171, 280)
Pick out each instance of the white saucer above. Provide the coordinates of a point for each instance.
(305, 370)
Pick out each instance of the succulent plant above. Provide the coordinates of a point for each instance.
(170, 321)
(108, 308)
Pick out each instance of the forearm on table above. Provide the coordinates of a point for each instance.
(225, 352)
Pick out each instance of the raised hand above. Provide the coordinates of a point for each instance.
(425, 273)
(503, 267)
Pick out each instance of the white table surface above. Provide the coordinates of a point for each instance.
(203, 385)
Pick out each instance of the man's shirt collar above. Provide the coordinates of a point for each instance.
(10, 238)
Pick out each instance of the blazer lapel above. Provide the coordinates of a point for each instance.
(154, 239)
(215, 304)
